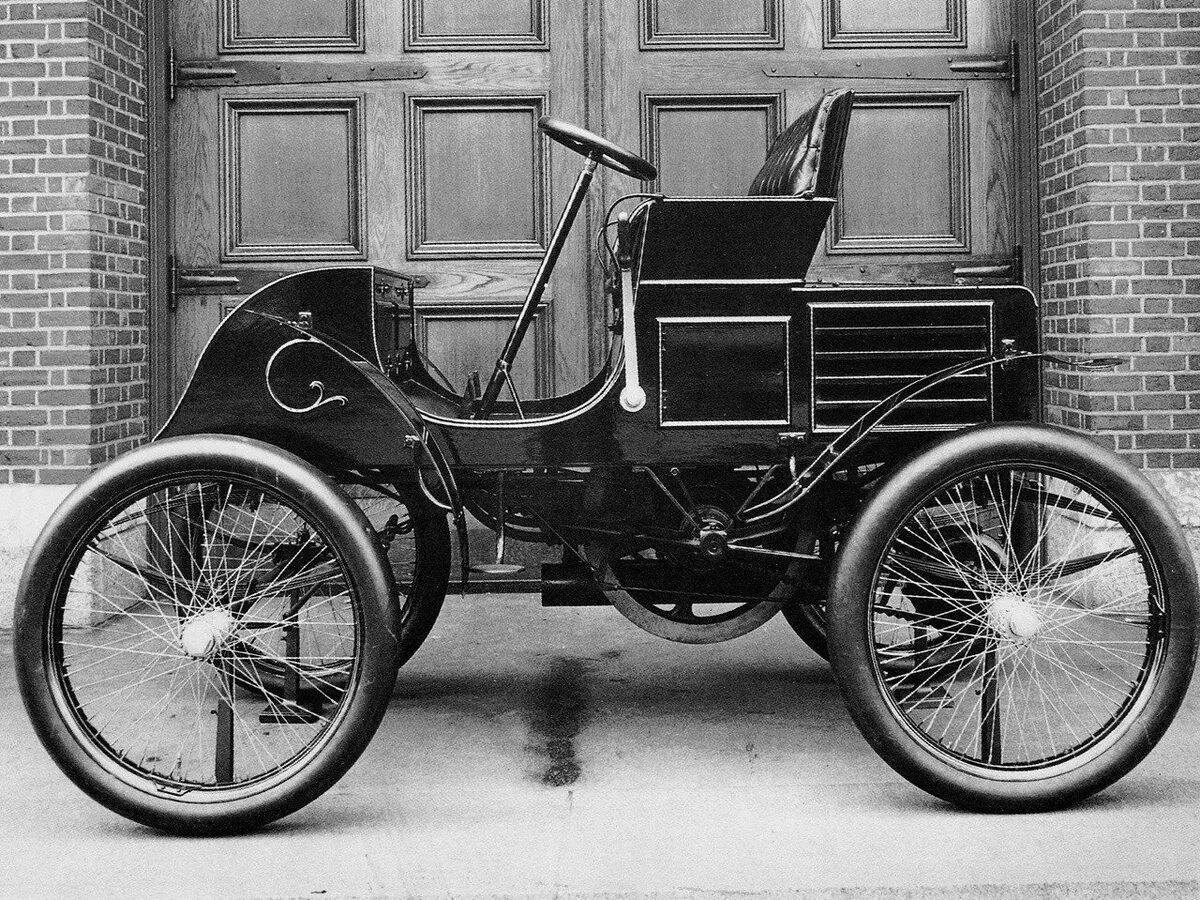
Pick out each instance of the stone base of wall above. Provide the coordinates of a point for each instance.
(1181, 487)
(24, 510)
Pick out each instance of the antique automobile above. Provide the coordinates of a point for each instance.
(209, 629)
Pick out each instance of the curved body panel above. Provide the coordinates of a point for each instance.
(300, 364)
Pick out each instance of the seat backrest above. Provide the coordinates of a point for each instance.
(806, 160)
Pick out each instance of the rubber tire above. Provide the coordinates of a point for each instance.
(420, 612)
(807, 619)
(349, 533)
(854, 575)
(432, 576)
(808, 622)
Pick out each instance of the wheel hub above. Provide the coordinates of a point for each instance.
(1014, 618)
(711, 531)
(712, 542)
(207, 632)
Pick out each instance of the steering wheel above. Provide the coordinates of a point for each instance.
(595, 147)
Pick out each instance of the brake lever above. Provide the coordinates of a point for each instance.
(633, 398)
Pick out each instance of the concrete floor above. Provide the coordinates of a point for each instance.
(564, 753)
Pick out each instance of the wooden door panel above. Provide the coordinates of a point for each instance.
(869, 23)
(709, 145)
(928, 183)
(477, 177)
(710, 24)
(477, 23)
(459, 338)
(290, 25)
(443, 177)
(904, 179)
(292, 178)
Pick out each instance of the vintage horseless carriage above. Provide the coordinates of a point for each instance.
(209, 629)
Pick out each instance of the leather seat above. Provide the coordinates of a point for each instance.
(806, 160)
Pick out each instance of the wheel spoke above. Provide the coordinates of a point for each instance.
(203, 603)
(1011, 618)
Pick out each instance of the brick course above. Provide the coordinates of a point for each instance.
(73, 334)
(1119, 103)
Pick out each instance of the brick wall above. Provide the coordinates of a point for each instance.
(72, 255)
(72, 241)
(1119, 103)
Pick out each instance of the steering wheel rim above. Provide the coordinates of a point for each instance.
(595, 147)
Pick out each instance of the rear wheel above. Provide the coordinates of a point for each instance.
(205, 635)
(416, 540)
(1014, 619)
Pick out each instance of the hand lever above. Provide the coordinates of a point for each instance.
(633, 398)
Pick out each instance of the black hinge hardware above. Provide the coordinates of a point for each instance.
(950, 68)
(209, 73)
(996, 67)
(1011, 268)
(196, 282)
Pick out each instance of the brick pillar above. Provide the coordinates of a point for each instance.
(73, 332)
(1119, 100)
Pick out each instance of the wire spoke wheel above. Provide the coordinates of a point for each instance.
(1004, 635)
(1022, 628)
(209, 639)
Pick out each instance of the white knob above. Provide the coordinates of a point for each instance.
(633, 398)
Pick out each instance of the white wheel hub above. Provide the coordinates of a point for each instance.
(1013, 617)
(207, 632)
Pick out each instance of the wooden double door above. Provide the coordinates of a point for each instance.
(403, 133)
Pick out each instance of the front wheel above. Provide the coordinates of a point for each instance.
(205, 634)
(1013, 618)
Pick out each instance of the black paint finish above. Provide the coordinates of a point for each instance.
(229, 392)
(696, 358)
(700, 239)
(261, 348)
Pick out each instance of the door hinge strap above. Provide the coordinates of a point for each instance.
(1012, 268)
(989, 67)
(197, 282)
(196, 74)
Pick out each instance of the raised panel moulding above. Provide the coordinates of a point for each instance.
(476, 24)
(709, 145)
(290, 26)
(291, 178)
(710, 25)
(474, 335)
(904, 185)
(477, 177)
(895, 23)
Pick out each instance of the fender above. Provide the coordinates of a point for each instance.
(296, 365)
(839, 448)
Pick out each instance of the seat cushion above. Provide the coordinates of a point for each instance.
(806, 159)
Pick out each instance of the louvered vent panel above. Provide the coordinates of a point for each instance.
(863, 352)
